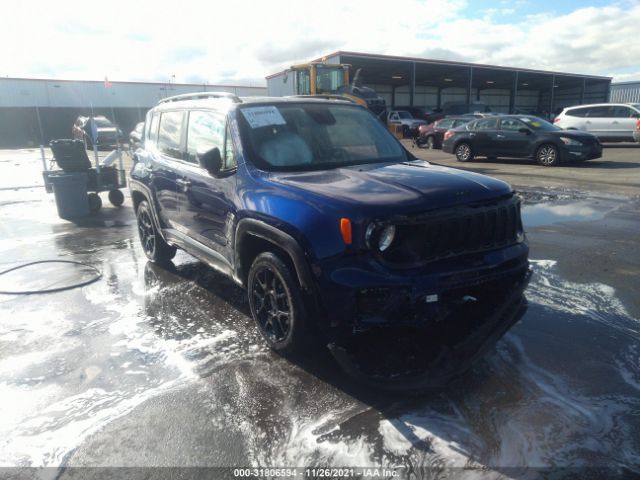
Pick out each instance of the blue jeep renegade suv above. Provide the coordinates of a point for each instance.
(321, 214)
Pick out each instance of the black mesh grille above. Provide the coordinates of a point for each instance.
(445, 233)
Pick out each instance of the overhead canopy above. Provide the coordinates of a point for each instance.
(554, 89)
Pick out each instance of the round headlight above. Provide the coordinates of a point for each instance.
(386, 237)
(368, 233)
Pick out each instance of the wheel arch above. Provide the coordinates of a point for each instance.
(256, 236)
(139, 193)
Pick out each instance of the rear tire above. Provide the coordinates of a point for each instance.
(547, 155)
(464, 153)
(276, 304)
(154, 246)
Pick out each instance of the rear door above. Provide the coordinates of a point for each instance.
(167, 155)
(206, 205)
(484, 137)
(598, 122)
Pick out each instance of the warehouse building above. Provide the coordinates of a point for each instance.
(625, 92)
(34, 111)
(412, 81)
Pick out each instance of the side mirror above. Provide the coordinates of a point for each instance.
(211, 161)
(526, 131)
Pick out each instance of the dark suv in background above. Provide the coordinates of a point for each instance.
(323, 216)
(107, 133)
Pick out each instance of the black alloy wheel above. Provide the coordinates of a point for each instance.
(276, 303)
(153, 245)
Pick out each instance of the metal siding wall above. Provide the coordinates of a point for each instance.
(81, 94)
(625, 93)
(496, 99)
(277, 88)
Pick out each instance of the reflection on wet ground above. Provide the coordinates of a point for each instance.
(80, 370)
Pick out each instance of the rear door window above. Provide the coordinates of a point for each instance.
(170, 134)
(444, 124)
(598, 112)
(487, 124)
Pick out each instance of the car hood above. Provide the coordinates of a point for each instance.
(409, 186)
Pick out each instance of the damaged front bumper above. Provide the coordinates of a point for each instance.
(430, 357)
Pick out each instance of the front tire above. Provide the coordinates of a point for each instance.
(154, 246)
(547, 155)
(464, 153)
(276, 304)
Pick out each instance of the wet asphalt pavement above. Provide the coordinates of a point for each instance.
(163, 367)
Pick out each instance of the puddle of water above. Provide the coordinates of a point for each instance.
(564, 211)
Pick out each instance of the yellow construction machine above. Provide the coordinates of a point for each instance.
(332, 81)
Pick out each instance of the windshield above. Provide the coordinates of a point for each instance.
(404, 114)
(539, 124)
(329, 80)
(315, 137)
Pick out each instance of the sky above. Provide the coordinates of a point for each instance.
(239, 42)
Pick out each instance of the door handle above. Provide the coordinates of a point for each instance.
(615, 122)
(500, 136)
(185, 184)
(472, 134)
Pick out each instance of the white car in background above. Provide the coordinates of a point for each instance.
(607, 121)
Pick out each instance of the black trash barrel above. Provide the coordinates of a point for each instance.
(70, 190)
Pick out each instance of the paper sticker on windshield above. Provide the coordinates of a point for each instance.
(263, 116)
(525, 119)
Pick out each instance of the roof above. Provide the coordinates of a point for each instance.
(431, 61)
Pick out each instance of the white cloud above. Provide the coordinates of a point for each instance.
(244, 41)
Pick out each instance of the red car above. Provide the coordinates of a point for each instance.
(431, 135)
(636, 132)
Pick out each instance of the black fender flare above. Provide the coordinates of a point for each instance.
(141, 188)
(261, 229)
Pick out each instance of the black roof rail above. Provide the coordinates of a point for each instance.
(201, 96)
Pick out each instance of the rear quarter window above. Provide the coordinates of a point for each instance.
(577, 112)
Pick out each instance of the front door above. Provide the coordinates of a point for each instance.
(512, 141)
(205, 202)
(484, 137)
(623, 121)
